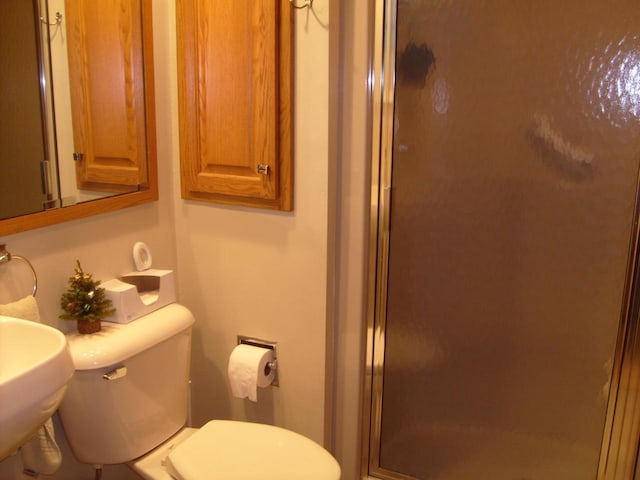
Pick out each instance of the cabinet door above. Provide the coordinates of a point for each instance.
(235, 106)
(107, 93)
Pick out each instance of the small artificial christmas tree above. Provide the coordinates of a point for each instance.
(85, 302)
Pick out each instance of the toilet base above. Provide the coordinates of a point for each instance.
(150, 466)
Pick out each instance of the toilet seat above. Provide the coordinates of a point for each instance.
(231, 450)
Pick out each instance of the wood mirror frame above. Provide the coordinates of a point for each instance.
(95, 207)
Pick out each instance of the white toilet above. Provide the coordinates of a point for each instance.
(127, 403)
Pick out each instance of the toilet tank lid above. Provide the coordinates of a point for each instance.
(117, 342)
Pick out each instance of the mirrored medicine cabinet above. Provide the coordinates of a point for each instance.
(77, 118)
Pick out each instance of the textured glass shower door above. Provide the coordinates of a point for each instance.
(513, 170)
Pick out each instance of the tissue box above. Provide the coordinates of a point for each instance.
(139, 293)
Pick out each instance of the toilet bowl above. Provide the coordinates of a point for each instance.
(127, 403)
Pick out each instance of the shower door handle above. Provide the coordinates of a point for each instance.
(385, 206)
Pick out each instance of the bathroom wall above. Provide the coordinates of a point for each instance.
(241, 271)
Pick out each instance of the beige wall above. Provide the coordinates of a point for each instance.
(241, 271)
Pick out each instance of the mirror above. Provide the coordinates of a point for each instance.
(77, 118)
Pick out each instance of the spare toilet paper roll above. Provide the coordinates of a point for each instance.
(248, 370)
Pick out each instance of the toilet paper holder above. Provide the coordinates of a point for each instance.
(257, 342)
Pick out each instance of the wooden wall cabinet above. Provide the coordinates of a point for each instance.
(106, 77)
(234, 77)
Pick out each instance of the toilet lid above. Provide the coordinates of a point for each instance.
(231, 450)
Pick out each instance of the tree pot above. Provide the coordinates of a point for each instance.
(89, 327)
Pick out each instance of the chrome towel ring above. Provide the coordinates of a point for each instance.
(6, 257)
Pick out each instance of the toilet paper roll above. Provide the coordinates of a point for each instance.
(248, 370)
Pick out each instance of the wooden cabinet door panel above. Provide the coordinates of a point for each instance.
(234, 87)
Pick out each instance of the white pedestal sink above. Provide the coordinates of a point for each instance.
(35, 366)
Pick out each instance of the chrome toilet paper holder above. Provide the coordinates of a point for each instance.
(258, 342)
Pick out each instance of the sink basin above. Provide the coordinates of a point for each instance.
(35, 366)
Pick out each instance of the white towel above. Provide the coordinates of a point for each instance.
(41, 454)
(26, 308)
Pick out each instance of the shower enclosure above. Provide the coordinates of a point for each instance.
(503, 336)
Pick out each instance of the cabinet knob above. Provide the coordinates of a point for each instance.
(263, 169)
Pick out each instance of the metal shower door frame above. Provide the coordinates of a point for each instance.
(621, 435)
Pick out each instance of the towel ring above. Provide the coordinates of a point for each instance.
(6, 257)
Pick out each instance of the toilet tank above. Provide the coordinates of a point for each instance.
(129, 392)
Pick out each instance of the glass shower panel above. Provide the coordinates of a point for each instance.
(514, 174)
